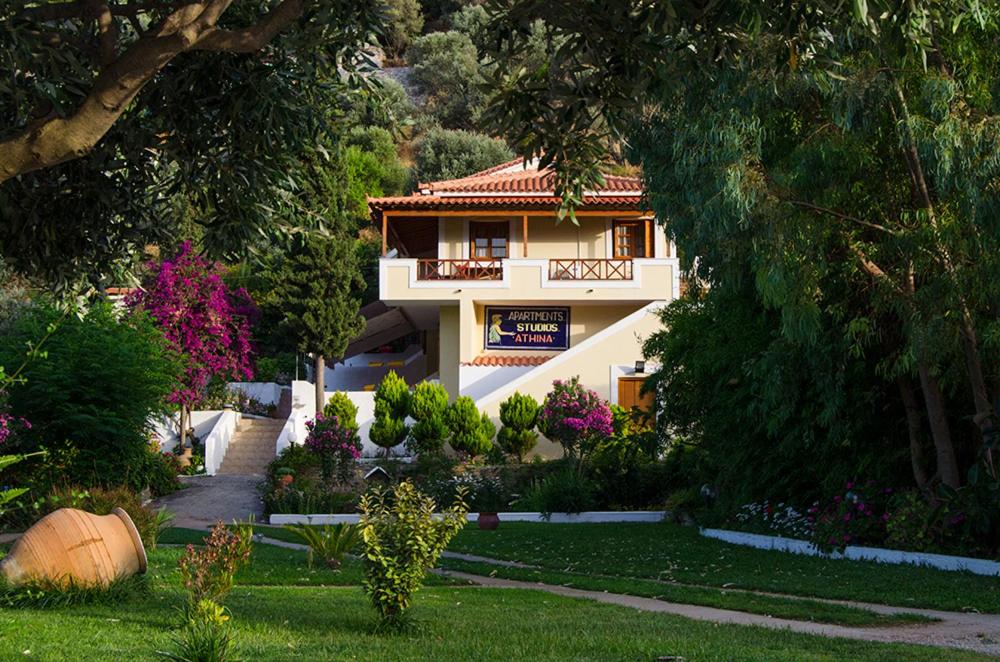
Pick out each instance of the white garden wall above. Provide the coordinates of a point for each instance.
(303, 410)
(892, 556)
(268, 393)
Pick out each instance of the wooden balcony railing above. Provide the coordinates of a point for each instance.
(434, 269)
(590, 269)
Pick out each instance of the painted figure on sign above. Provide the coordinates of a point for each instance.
(496, 331)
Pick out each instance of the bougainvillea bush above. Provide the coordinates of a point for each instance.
(337, 447)
(575, 417)
(858, 516)
(201, 318)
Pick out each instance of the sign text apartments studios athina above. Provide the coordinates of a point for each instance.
(527, 327)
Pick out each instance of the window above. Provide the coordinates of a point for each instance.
(629, 239)
(488, 240)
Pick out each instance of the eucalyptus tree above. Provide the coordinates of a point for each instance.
(847, 152)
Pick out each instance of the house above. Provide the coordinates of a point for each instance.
(504, 298)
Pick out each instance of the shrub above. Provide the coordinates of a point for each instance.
(91, 400)
(372, 168)
(565, 491)
(446, 70)
(428, 407)
(402, 540)
(208, 573)
(386, 106)
(162, 473)
(519, 415)
(337, 447)
(483, 490)
(856, 517)
(913, 523)
(774, 519)
(341, 406)
(447, 154)
(392, 403)
(205, 637)
(330, 543)
(575, 417)
(469, 432)
(404, 20)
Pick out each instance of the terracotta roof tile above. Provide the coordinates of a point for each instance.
(505, 360)
(507, 184)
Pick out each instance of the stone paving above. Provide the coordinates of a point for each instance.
(207, 499)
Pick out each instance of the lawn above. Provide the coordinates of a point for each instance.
(669, 552)
(312, 623)
(308, 615)
(797, 609)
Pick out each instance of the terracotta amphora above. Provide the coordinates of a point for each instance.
(72, 546)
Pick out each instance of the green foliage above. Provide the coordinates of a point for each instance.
(565, 491)
(450, 154)
(330, 543)
(204, 638)
(387, 106)
(405, 21)
(91, 400)
(758, 416)
(208, 573)
(446, 70)
(341, 406)
(428, 406)
(402, 541)
(392, 404)
(519, 415)
(172, 164)
(469, 432)
(371, 168)
(316, 290)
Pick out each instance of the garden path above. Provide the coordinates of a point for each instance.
(975, 632)
(967, 631)
(207, 499)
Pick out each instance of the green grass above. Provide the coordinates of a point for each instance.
(669, 552)
(313, 615)
(458, 624)
(776, 607)
(269, 565)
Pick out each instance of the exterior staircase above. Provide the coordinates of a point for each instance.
(252, 446)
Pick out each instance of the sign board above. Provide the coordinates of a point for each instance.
(527, 327)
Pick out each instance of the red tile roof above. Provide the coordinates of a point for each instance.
(506, 360)
(511, 184)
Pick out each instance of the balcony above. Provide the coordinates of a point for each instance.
(435, 269)
(590, 269)
(562, 270)
(404, 281)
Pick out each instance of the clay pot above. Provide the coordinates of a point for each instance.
(488, 521)
(74, 546)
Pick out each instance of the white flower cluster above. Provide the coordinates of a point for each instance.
(775, 519)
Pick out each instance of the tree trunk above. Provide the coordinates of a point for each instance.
(183, 428)
(947, 464)
(319, 375)
(984, 416)
(914, 428)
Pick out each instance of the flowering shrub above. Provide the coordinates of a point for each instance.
(574, 416)
(201, 318)
(208, 572)
(857, 517)
(10, 425)
(484, 490)
(774, 519)
(337, 446)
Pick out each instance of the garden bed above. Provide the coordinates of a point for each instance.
(589, 517)
(891, 556)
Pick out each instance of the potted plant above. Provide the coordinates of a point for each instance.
(488, 499)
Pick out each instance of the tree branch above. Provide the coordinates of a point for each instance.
(842, 216)
(254, 38)
(54, 140)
